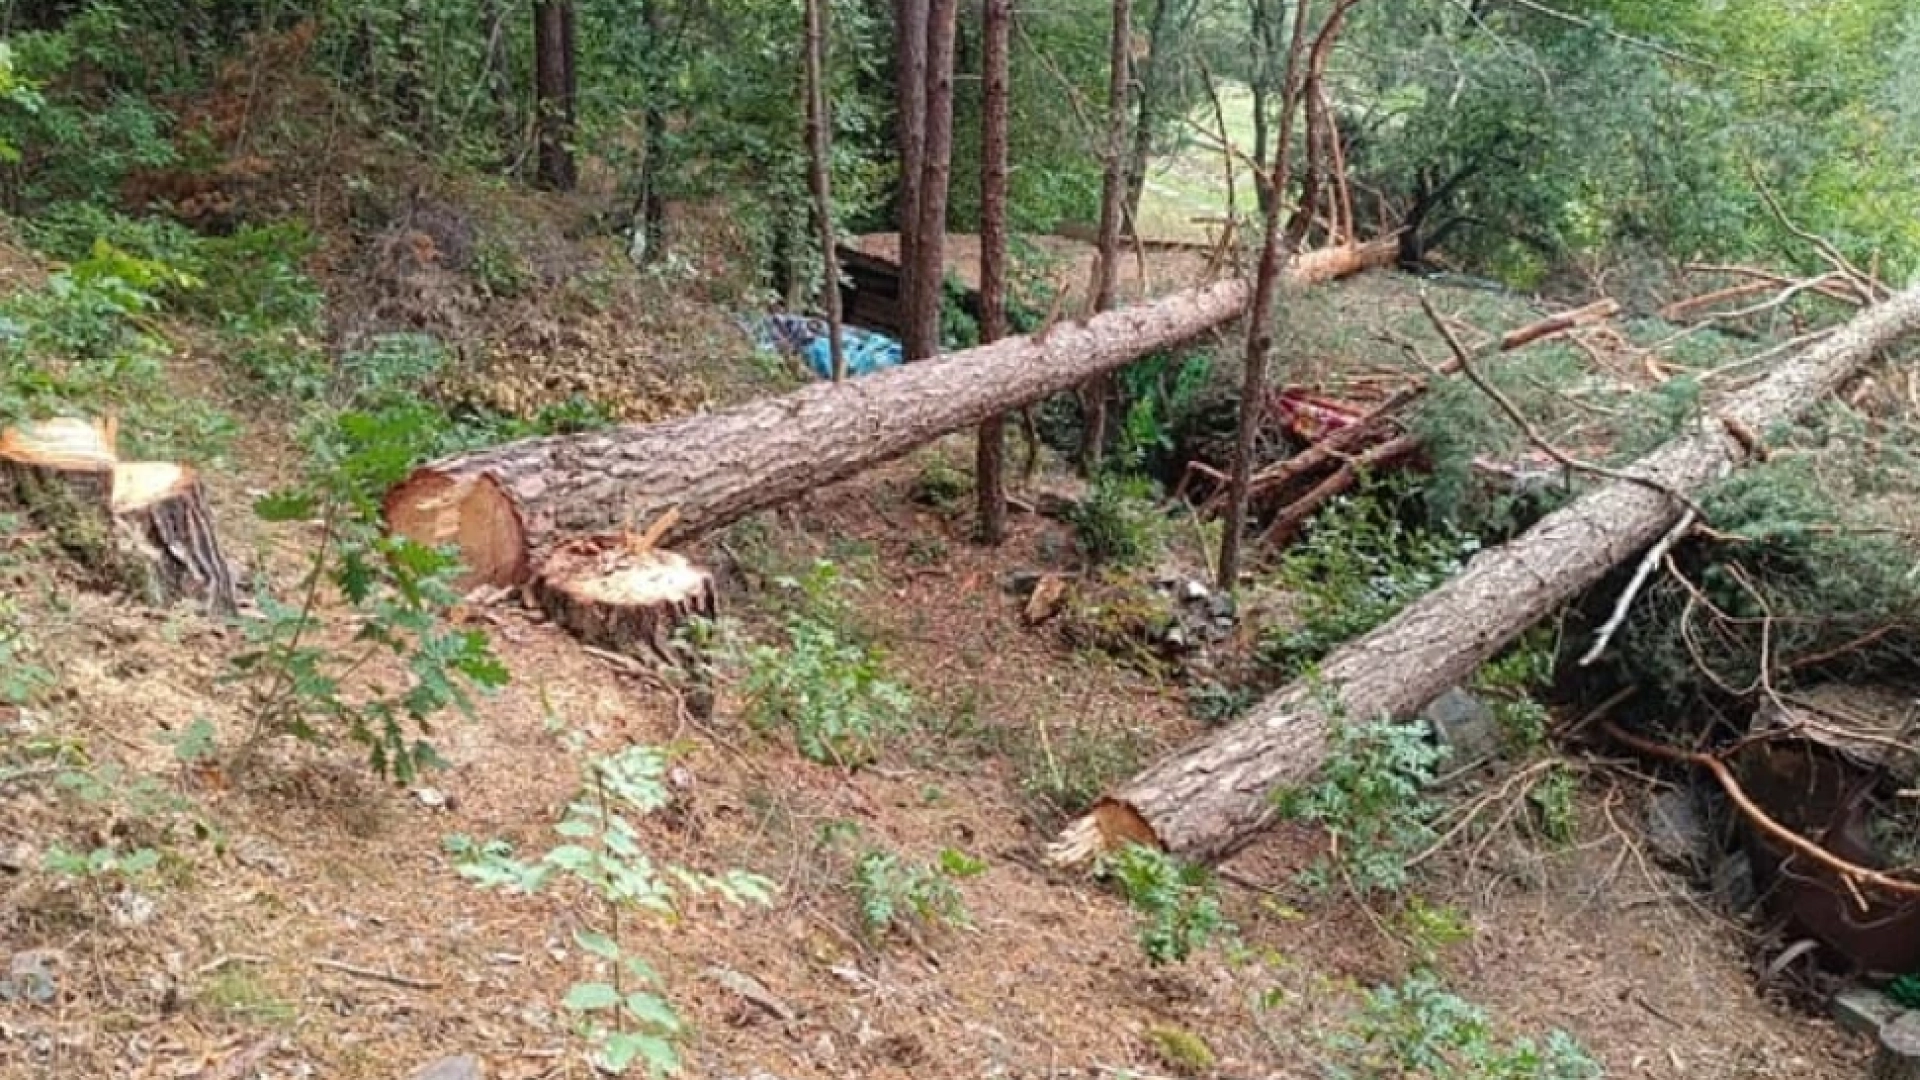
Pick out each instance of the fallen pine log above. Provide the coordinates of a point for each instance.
(1207, 800)
(504, 506)
(140, 525)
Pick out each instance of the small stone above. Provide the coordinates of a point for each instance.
(1733, 883)
(1464, 724)
(1899, 1056)
(1677, 830)
(31, 976)
(1222, 608)
(464, 1067)
(132, 908)
(432, 798)
(750, 990)
(1049, 593)
(1194, 591)
(1862, 1010)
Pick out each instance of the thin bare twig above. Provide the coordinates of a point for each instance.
(1533, 435)
(391, 978)
(1640, 574)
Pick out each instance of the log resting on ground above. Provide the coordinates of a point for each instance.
(1208, 799)
(504, 506)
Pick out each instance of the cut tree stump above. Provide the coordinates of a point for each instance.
(143, 525)
(1208, 799)
(622, 594)
(505, 506)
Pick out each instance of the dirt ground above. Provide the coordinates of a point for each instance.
(306, 921)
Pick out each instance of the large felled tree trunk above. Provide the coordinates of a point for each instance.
(501, 506)
(1207, 800)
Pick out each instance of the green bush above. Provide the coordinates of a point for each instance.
(1118, 523)
(1420, 1028)
(825, 683)
(893, 893)
(1372, 801)
(1175, 904)
(1357, 567)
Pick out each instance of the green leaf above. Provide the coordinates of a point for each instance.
(282, 506)
(622, 1049)
(591, 997)
(653, 1009)
(598, 944)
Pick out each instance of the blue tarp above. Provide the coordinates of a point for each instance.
(799, 335)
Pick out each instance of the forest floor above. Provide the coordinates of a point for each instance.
(306, 919)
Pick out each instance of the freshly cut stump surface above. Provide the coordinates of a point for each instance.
(144, 525)
(629, 598)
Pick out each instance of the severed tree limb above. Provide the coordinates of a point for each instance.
(1640, 574)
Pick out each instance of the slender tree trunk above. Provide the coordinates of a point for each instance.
(1253, 390)
(989, 473)
(500, 82)
(820, 174)
(553, 94)
(502, 506)
(930, 232)
(1209, 799)
(1149, 85)
(910, 131)
(1113, 193)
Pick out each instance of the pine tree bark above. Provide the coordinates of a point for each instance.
(990, 470)
(501, 507)
(820, 176)
(1113, 194)
(142, 526)
(1207, 800)
(930, 228)
(1253, 388)
(910, 132)
(553, 93)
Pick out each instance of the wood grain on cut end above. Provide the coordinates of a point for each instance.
(616, 594)
(472, 514)
(1110, 825)
(143, 525)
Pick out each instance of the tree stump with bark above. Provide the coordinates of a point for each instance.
(620, 593)
(141, 525)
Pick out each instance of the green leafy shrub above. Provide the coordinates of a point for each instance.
(1068, 772)
(825, 682)
(893, 893)
(398, 592)
(940, 486)
(1356, 568)
(21, 680)
(1118, 522)
(1175, 904)
(85, 344)
(619, 1010)
(1371, 799)
(1422, 1029)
